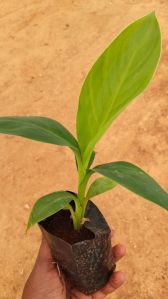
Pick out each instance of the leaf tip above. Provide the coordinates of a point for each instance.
(29, 224)
(153, 13)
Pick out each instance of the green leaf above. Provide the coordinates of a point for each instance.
(99, 186)
(38, 128)
(49, 205)
(120, 74)
(136, 180)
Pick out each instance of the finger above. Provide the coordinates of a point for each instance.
(115, 281)
(118, 252)
(113, 231)
(78, 295)
(45, 271)
(44, 251)
(44, 258)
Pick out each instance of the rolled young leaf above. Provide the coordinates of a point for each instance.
(49, 205)
(136, 180)
(120, 74)
(38, 128)
(90, 162)
(92, 158)
(100, 186)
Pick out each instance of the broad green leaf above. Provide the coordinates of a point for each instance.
(136, 180)
(120, 74)
(38, 128)
(48, 205)
(99, 186)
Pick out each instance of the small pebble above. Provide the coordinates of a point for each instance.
(26, 206)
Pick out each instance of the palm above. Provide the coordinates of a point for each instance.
(46, 282)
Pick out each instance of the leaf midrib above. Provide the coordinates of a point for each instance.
(102, 124)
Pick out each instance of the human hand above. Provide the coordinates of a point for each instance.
(46, 282)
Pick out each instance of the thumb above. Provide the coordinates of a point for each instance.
(44, 257)
(45, 262)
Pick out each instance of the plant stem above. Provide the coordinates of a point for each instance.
(74, 219)
(78, 213)
(80, 203)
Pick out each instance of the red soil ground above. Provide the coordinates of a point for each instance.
(46, 49)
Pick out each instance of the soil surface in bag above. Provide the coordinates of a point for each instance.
(84, 256)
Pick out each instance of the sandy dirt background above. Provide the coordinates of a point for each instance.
(46, 49)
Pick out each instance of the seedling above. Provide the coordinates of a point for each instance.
(120, 74)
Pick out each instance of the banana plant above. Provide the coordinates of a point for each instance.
(119, 75)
